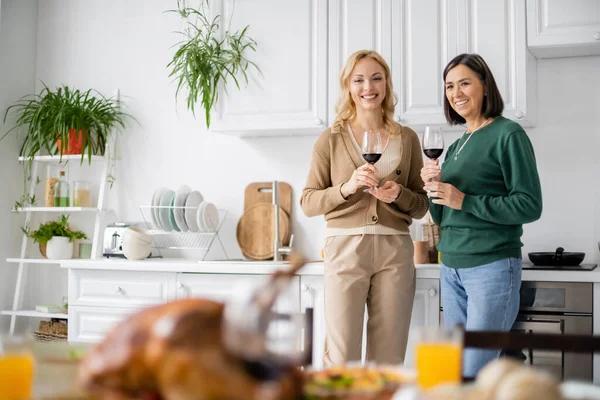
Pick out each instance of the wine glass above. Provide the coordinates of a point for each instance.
(372, 147)
(433, 142)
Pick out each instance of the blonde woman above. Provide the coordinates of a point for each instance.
(368, 208)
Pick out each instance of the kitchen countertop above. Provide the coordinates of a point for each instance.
(311, 268)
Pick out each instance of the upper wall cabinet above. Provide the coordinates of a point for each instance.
(355, 25)
(289, 96)
(563, 28)
(497, 30)
(424, 39)
(427, 34)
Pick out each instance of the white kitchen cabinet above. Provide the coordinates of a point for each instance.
(425, 313)
(120, 288)
(356, 25)
(563, 28)
(497, 30)
(425, 35)
(99, 299)
(289, 95)
(215, 287)
(91, 324)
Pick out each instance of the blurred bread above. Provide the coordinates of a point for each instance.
(527, 384)
(490, 376)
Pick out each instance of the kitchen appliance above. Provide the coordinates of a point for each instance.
(560, 308)
(580, 267)
(113, 239)
(558, 258)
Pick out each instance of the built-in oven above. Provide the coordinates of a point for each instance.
(561, 308)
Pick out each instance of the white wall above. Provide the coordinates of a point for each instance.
(114, 44)
(566, 141)
(18, 25)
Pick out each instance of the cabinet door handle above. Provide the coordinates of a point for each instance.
(180, 285)
(119, 289)
(519, 115)
(318, 121)
(305, 288)
(597, 35)
(432, 292)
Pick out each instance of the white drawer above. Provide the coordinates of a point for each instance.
(120, 288)
(90, 324)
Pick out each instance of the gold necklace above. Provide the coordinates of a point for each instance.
(469, 137)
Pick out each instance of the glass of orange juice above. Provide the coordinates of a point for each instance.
(438, 356)
(16, 368)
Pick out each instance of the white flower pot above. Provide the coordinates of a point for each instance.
(59, 248)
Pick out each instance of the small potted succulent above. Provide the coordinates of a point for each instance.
(56, 238)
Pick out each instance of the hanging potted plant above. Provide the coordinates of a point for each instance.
(55, 238)
(205, 58)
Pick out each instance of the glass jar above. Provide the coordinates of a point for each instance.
(61, 192)
(82, 194)
(51, 179)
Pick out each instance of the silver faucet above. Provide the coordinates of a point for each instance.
(278, 249)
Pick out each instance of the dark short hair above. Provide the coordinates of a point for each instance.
(492, 105)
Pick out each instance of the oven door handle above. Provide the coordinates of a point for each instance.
(549, 326)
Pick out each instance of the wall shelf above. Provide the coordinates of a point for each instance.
(34, 314)
(64, 159)
(33, 261)
(58, 209)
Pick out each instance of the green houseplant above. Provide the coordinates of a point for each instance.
(65, 121)
(51, 229)
(204, 57)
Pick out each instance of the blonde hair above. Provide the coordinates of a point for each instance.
(345, 108)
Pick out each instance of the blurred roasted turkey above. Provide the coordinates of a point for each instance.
(176, 351)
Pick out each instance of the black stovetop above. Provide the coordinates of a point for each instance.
(580, 267)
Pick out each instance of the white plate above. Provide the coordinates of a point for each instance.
(164, 214)
(179, 213)
(158, 193)
(199, 219)
(210, 217)
(191, 210)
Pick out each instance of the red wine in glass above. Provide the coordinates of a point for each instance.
(372, 147)
(433, 153)
(433, 142)
(371, 158)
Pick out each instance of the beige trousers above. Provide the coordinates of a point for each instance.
(376, 270)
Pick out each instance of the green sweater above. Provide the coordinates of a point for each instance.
(496, 171)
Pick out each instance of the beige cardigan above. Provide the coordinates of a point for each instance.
(333, 162)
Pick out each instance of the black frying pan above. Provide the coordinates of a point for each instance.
(559, 258)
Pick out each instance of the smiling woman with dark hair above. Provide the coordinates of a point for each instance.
(486, 189)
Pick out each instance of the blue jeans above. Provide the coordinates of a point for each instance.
(482, 298)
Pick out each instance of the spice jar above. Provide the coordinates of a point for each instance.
(51, 179)
(82, 194)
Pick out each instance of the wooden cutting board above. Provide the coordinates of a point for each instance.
(256, 228)
(262, 192)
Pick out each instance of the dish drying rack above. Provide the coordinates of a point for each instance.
(200, 242)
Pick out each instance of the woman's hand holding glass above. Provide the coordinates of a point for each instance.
(445, 194)
(387, 193)
(431, 171)
(363, 176)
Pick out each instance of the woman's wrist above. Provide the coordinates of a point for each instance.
(344, 190)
